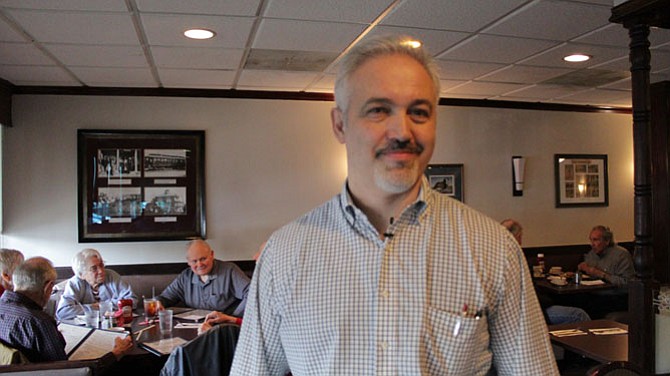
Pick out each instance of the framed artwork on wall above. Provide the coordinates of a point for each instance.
(140, 185)
(581, 180)
(446, 179)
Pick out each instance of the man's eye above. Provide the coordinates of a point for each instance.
(377, 112)
(419, 115)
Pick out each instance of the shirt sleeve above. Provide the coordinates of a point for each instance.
(259, 350)
(240, 285)
(174, 293)
(69, 304)
(621, 270)
(519, 335)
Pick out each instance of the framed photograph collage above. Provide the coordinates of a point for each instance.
(140, 185)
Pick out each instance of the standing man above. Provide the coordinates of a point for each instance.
(91, 284)
(611, 263)
(9, 260)
(26, 327)
(209, 284)
(389, 276)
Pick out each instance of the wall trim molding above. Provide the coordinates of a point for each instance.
(304, 96)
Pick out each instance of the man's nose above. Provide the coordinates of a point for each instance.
(399, 127)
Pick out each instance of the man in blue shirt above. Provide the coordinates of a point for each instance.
(26, 327)
(208, 284)
(91, 284)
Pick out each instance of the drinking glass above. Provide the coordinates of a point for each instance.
(150, 308)
(165, 321)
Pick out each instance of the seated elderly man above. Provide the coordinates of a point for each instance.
(26, 327)
(9, 260)
(209, 284)
(91, 284)
(611, 263)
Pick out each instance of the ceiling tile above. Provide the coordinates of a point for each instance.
(98, 56)
(8, 34)
(554, 57)
(105, 76)
(599, 97)
(85, 5)
(465, 70)
(84, 28)
(292, 80)
(495, 49)
(446, 85)
(435, 41)
(524, 74)
(167, 30)
(459, 15)
(204, 7)
(36, 75)
(325, 83)
(200, 78)
(545, 92)
(340, 10)
(305, 36)
(22, 54)
(553, 20)
(484, 88)
(624, 84)
(197, 58)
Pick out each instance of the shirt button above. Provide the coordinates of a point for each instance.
(385, 294)
(384, 345)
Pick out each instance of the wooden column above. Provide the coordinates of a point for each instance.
(637, 16)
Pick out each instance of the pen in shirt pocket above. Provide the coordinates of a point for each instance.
(463, 315)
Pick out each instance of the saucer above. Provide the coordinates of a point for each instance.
(558, 282)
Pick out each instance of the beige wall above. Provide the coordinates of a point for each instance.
(268, 161)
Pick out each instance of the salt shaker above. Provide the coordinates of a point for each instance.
(578, 277)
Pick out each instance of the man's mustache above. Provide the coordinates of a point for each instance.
(402, 146)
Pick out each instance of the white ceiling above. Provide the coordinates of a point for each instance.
(486, 49)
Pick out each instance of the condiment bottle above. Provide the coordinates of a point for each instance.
(540, 261)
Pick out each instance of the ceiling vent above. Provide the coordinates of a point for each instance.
(588, 78)
(304, 61)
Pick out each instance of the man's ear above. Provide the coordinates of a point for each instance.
(6, 278)
(337, 120)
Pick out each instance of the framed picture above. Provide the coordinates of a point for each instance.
(140, 185)
(446, 179)
(581, 180)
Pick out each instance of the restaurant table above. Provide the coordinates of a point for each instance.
(543, 285)
(139, 360)
(603, 348)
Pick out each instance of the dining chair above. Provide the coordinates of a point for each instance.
(614, 369)
(209, 354)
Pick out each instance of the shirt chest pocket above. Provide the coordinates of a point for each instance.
(455, 344)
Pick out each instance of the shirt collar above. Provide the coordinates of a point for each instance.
(416, 208)
(211, 275)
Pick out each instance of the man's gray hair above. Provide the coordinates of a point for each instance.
(33, 274)
(380, 46)
(9, 260)
(79, 260)
(608, 235)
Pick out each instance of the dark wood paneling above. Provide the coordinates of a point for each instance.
(286, 95)
(6, 90)
(65, 272)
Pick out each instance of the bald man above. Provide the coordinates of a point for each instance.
(208, 283)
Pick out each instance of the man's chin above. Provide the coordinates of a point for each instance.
(395, 181)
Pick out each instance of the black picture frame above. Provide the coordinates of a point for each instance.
(581, 180)
(446, 179)
(140, 185)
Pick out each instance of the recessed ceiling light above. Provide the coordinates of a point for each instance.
(413, 43)
(199, 34)
(576, 58)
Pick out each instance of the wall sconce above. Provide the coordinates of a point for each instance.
(518, 167)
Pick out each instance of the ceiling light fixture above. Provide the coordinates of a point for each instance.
(576, 58)
(199, 34)
(413, 43)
